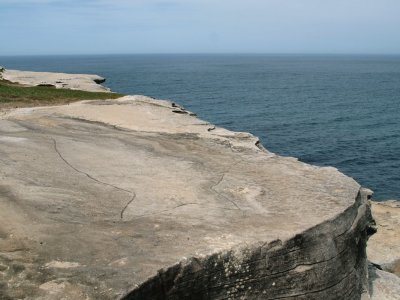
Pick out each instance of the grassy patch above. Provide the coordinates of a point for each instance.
(15, 95)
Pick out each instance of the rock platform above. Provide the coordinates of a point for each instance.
(86, 82)
(137, 198)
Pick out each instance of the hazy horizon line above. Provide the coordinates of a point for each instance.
(209, 53)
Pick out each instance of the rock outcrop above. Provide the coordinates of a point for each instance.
(384, 252)
(83, 82)
(136, 198)
(383, 285)
(384, 247)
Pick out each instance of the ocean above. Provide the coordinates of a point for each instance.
(326, 110)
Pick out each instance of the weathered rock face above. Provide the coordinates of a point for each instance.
(325, 262)
(83, 82)
(136, 198)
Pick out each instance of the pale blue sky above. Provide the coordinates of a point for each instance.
(199, 26)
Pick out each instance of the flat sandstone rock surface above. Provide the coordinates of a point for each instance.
(384, 246)
(84, 82)
(383, 285)
(137, 197)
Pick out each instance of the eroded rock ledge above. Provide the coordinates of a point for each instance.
(327, 261)
(136, 198)
(86, 82)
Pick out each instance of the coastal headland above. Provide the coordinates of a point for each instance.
(137, 198)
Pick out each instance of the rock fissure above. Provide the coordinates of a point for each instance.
(272, 276)
(315, 291)
(133, 194)
(249, 263)
(225, 197)
(127, 205)
(212, 188)
(164, 211)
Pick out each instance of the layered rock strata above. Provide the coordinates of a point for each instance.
(136, 198)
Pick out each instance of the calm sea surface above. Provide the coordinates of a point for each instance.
(342, 111)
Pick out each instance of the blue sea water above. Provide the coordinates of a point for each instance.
(339, 110)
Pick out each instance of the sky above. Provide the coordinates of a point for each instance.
(30, 27)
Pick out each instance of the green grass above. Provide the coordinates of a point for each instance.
(15, 95)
